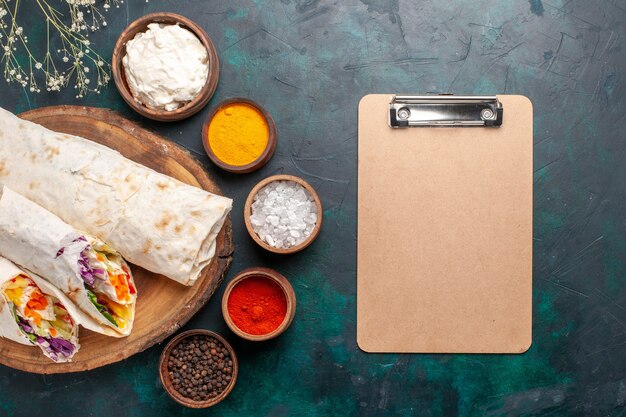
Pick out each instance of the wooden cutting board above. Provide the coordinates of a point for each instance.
(163, 305)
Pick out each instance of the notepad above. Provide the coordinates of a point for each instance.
(445, 224)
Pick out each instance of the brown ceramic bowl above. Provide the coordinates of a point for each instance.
(248, 212)
(167, 382)
(257, 163)
(141, 25)
(277, 278)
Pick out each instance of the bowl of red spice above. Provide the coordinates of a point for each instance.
(198, 368)
(258, 304)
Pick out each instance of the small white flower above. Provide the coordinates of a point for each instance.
(77, 48)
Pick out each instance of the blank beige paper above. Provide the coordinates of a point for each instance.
(445, 234)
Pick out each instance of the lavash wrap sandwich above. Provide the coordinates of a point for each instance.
(34, 312)
(154, 221)
(93, 275)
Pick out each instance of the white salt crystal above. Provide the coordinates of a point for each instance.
(283, 214)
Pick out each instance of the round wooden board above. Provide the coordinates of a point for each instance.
(163, 305)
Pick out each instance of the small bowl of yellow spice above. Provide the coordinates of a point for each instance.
(239, 135)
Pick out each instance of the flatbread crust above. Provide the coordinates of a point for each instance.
(153, 220)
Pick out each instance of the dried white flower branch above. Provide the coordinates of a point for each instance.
(73, 61)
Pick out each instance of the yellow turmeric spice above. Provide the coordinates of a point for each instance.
(238, 134)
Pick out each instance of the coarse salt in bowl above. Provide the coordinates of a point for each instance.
(283, 214)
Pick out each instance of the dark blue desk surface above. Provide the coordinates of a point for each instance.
(309, 62)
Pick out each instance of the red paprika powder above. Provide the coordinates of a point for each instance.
(257, 305)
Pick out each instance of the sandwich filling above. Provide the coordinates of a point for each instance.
(107, 279)
(42, 318)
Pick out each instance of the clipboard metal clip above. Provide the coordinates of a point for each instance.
(445, 110)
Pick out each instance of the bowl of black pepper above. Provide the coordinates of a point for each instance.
(198, 368)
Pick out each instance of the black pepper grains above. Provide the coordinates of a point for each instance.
(200, 367)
